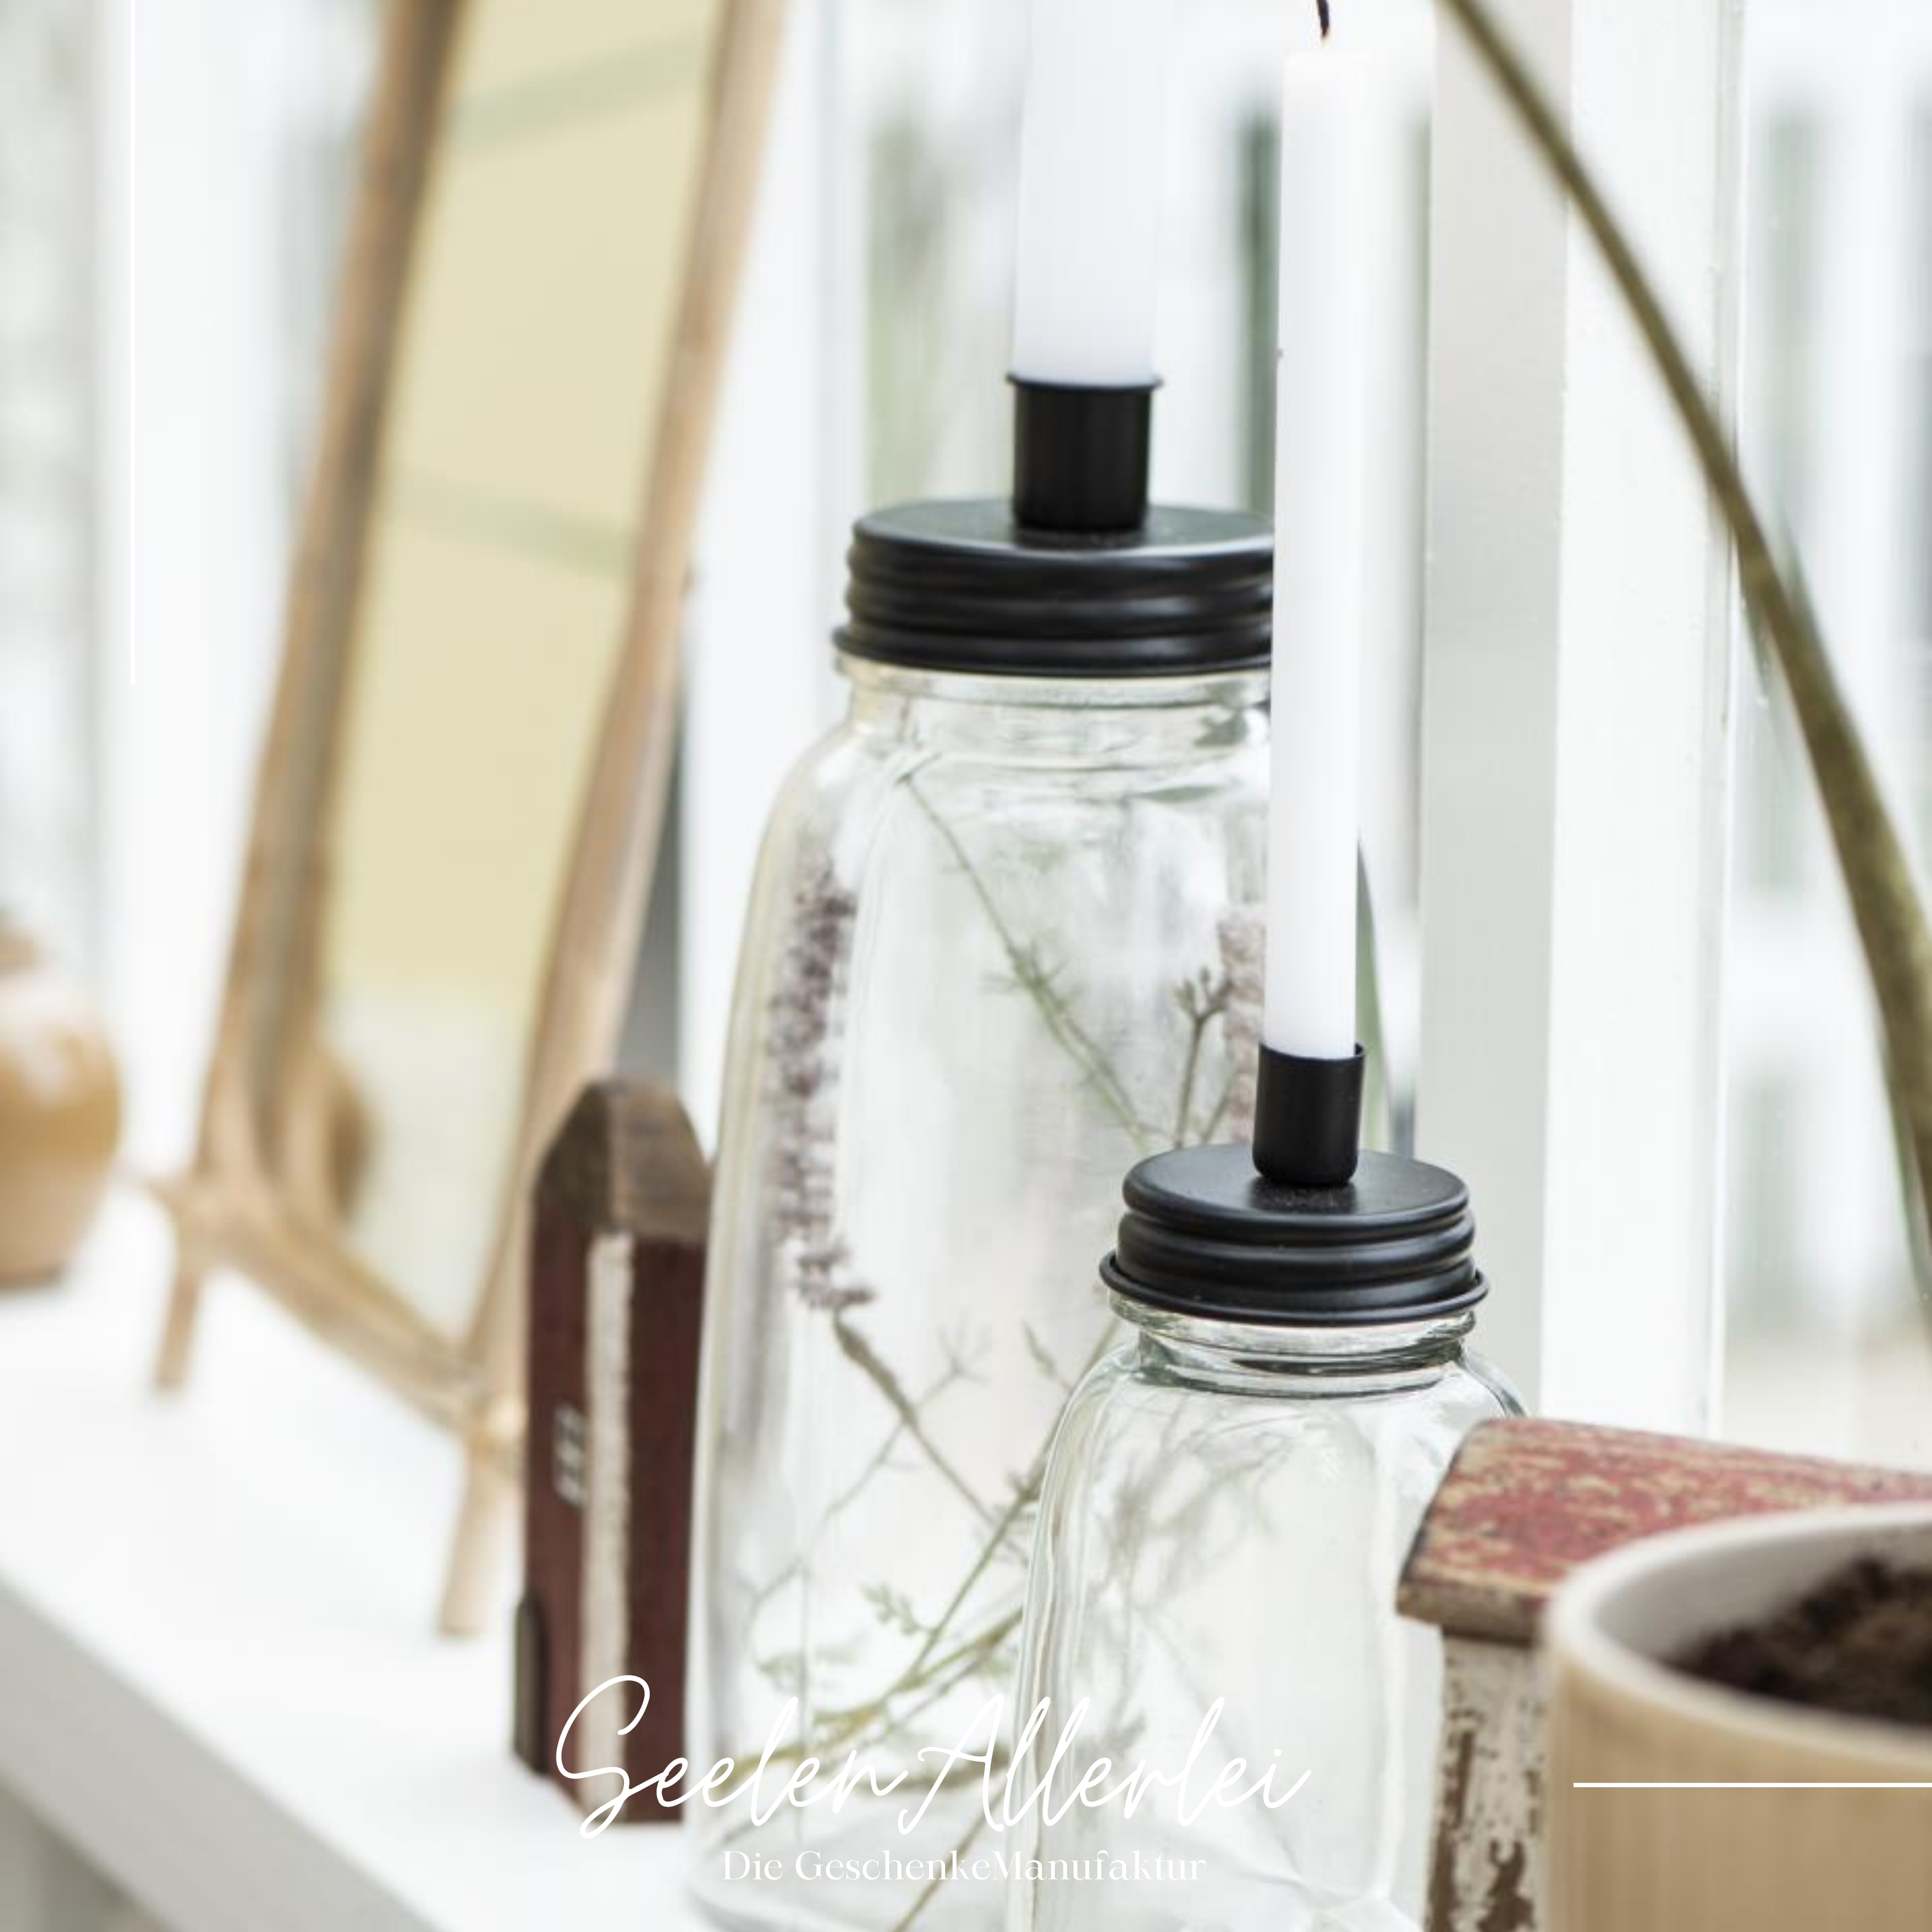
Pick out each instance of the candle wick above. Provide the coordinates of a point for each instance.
(1322, 11)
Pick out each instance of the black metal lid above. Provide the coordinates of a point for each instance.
(962, 587)
(1077, 576)
(1205, 1234)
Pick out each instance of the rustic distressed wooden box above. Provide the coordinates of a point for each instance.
(1524, 1504)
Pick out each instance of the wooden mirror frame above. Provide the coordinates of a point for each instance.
(236, 1207)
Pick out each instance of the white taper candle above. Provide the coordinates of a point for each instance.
(1090, 193)
(1320, 520)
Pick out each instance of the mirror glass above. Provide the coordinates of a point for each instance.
(542, 305)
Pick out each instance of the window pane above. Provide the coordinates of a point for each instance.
(1830, 1334)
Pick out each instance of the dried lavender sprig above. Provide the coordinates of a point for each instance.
(807, 1006)
(807, 1012)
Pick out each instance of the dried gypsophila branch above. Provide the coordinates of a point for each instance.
(1243, 939)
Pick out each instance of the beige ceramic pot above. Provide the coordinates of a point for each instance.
(60, 1114)
(1715, 1860)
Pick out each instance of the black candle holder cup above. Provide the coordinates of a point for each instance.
(1302, 1228)
(1077, 574)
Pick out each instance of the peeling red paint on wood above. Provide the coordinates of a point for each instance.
(1525, 1502)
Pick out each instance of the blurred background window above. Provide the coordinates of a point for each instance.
(225, 146)
(1829, 1328)
(49, 614)
(146, 505)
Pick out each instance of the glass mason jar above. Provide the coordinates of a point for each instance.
(1004, 939)
(1225, 1516)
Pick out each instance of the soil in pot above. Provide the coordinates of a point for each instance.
(1859, 1644)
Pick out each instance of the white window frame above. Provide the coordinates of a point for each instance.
(1576, 711)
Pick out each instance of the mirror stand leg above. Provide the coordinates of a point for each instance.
(171, 1364)
(482, 1531)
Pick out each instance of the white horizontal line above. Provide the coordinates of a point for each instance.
(1819, 1786)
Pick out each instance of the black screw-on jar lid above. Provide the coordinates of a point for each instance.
(1079, 576)
(962, 587)
(1206, 1234)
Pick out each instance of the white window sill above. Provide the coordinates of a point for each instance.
(218, 1679)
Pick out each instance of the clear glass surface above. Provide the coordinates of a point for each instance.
(1224, 1520)
(1006, 940)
